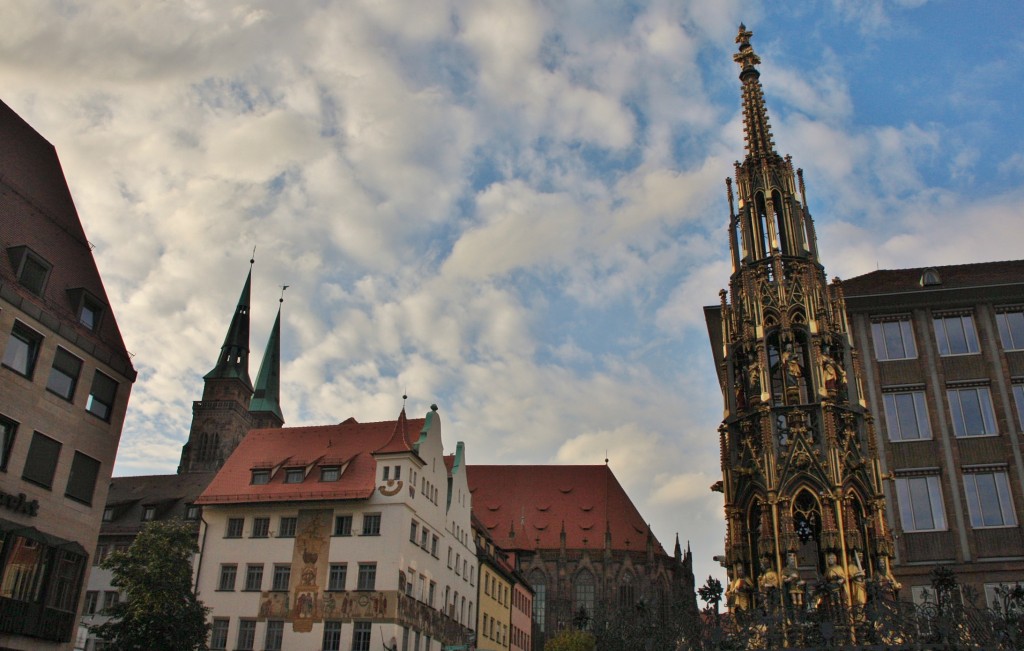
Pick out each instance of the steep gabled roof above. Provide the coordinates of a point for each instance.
(537, 501)
(349, 444)
(128, 497)
(399, 441)
(37, 212)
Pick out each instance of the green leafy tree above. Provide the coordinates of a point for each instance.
(158, 610)
(571, 640)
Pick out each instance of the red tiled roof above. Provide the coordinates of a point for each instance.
(399, 441)
(892, 281)
(350, 443)
(537, 501)
(36, 211)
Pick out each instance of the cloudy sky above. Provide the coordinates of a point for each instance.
(514, 209)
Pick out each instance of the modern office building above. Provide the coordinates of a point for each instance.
(942, 353)
(65, 377)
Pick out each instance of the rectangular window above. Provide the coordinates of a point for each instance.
(413, 531)
(235, 526)
(371, 524)
(275, 635)
(148, 513)
(423, 538)
(8, 428)
(101, 396)
(332, 636)
(893, 340)
(431, 593)
(219, 633)
(387, 471)
(1011, 329)
(89, 312)
(343, 525)
(367, 576)
(294, 475)
(988, 500)
(260, 527)
(227, 577)
(1000, 596)
(282, 575)
(906, 417)
(110, 599)
(260, 477)
(246, 634)
(361, 636)
(330, 473)
(22, 349)
(433, 545)
(956, 335)
(192, 511)
(64, 374)
(254, 577)
(92, 600)
(43, 453)
(972, 412)
(286, 527)
(920, 501)
(398, 472)
(336, 577)
(82, 480)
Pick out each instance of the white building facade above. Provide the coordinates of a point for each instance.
(354, 536)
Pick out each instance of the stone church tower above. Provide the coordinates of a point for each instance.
(803, 494)
(231, 406)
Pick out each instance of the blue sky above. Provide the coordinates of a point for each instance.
(514, 209)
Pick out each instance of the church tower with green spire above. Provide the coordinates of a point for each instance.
(231, 406)
(801, 479)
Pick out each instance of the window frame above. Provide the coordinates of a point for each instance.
(219, 629)
(259, 477)
(330, 473)
(235, 527)
(366, 580)
(1006, 329)
(32, 340)
(343, 525)
(337, 577)
(976, 506)
(253, 577)
(273, 635)
(245, 640)
(20, 256)
(894, 418)
(102, 406)
(371, 524)
(65, 374)
(282, 577)
(332, 635)
(957, 414)
(36, 456)
(286, 526)
(362, 632)
(880, 335)
(260, 527)
(227, 577)
(294, 475)
(941, 325)
(8, 433)
(909, 510)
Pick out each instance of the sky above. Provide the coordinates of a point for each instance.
(513, 209)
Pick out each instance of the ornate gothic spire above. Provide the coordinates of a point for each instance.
(755, 116)
(233, 361)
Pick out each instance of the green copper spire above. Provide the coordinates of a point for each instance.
(267, 397)
(234, 354)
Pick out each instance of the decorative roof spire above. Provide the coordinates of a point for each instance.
(234, 353)
(267, 396)
(755, 116)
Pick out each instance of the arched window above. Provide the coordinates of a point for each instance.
(584, 591)
(627, 591)
(807, 522)
(539, 584)
(780, 222)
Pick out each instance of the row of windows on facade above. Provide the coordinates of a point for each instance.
(970, 410)
(494, 630)
(987, 492)
(954, 335)
(274, 634)
(150, 512)
(286, 526)
(22, 353)
(42, 459)
(584, 594)
(493, 588)
(33, 272)
(337, 577)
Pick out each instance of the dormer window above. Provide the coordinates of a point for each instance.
(31, 270)
(930, 277)
(330, 473)
(108, 514)
(260, 477)
(191, 512)
(148, 513)
(294, 475)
